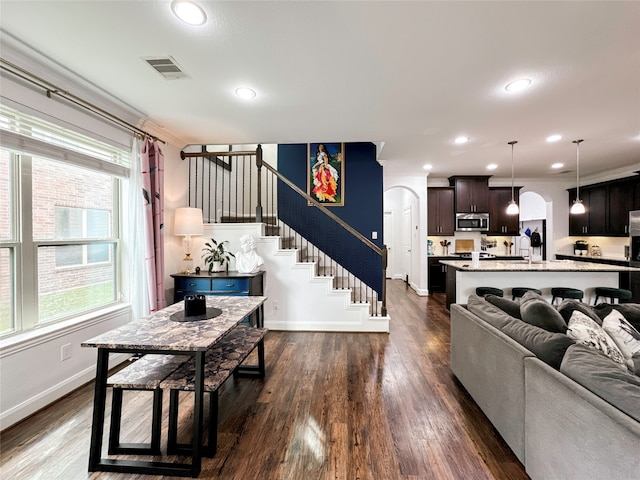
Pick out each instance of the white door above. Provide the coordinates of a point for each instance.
(406, 243)
(387, 239)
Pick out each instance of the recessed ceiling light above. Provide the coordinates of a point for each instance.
(557, 165)
(461, 140)
(189, 12)
(245, 92)
(427, 166)
(554, 138)
(492, 166)
(517, 85)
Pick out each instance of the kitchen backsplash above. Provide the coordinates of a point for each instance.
(610, 247)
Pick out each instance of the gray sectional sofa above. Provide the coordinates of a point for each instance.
(566, 411)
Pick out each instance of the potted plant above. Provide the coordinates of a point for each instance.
(215, 255)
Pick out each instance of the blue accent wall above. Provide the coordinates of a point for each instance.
(362, 210)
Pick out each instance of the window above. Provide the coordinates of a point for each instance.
(65, 235)
(73, 223)
(7, 245)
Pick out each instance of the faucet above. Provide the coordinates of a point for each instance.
(528, 249)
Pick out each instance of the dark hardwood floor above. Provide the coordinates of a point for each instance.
(333, 406)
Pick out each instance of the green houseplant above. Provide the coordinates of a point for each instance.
(215, 255)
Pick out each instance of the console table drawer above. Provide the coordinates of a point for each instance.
(192, 284)
(222, 283)
(230, 285)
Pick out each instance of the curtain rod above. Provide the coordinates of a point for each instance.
(53, 89)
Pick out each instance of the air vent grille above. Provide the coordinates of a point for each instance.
(167, 67)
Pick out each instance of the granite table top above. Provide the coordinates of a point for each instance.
(159, 332)
(539, 266)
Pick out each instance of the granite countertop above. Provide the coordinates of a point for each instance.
(159, 332)
(589, 257)
(541, 266)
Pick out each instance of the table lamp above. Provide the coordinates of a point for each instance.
(188, 222)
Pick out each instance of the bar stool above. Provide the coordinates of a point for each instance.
(612, 293)
(565, 292)
(482, 291)
(518, 292)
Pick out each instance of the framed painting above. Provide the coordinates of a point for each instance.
(325, 173)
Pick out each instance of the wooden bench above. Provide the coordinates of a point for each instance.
(155, 372)
(221, 361)
(145, 373)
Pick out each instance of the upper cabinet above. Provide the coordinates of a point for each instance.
(472, 193)
(607, 208)
(622, 199)
(499, 222)
(440, 210)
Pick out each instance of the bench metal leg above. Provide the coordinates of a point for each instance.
(253, 371)
(117, 448)
(175, 448)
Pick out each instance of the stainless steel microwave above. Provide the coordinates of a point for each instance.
(472, 222)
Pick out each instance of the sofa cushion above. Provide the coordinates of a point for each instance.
(630, 311)
(488, 312)
(508, 306)
(587, 332)
(536, 311)
(600, 375)
(547, 346)
(567, 307)
(626, 338)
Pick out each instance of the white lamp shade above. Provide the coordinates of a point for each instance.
(577, 208)
(513, 209)
(188, 221)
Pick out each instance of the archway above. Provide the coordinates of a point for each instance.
(401, 207)
(534, 210)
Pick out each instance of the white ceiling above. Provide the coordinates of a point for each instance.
(413, 75)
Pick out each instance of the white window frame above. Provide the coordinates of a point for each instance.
(79, 150)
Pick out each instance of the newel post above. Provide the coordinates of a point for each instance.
(384, 280)
(259, 165)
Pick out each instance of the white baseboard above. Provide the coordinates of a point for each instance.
(50, 395)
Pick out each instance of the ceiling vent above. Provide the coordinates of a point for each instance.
(166, 66)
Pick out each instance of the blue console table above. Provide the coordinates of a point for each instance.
(220, 283)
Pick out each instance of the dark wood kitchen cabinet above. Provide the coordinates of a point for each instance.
(437, 275)
(472, 193)
(607, 207)
(440, 211)
(594, 220)
(499, 222)
(624, 196)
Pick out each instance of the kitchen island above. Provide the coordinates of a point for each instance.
(463, 278)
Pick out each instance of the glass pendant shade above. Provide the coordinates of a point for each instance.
(577, 208)
(513, 209)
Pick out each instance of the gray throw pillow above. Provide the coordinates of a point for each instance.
(488, 312)
(508, 306)
(548, 347)
(601, 375)
(567, 307)
(536, 311)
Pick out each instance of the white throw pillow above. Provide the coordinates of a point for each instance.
(585, 331)
(626, 337)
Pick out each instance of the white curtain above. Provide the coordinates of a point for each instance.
(134, 238)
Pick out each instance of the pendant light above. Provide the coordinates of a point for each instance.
(577, 208)
(512, 209)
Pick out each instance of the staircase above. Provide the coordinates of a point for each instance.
(305, 290)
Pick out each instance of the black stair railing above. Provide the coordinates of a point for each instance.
(222, 184)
